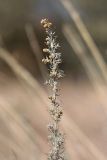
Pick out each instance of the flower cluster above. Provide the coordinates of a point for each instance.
(53, 59)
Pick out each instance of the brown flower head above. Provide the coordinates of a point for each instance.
(46, 24)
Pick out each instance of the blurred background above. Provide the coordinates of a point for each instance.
(81, 27)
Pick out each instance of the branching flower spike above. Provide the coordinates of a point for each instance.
(53, 59)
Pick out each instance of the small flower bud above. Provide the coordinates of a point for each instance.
(53, 73)
(52, 56)
(45, 25)
(45, 50)
(47, 42)
(43, 21)
(47, 38)
(45, 60)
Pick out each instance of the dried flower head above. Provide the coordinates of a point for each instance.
(45, 50)
(46, 24)
(53, 58)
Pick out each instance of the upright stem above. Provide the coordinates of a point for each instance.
(53, 59)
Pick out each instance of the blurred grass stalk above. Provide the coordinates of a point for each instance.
(29, 29)
(91, 71)
(15, 122)
(81, 52)
(22, 74)
(85, 35)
